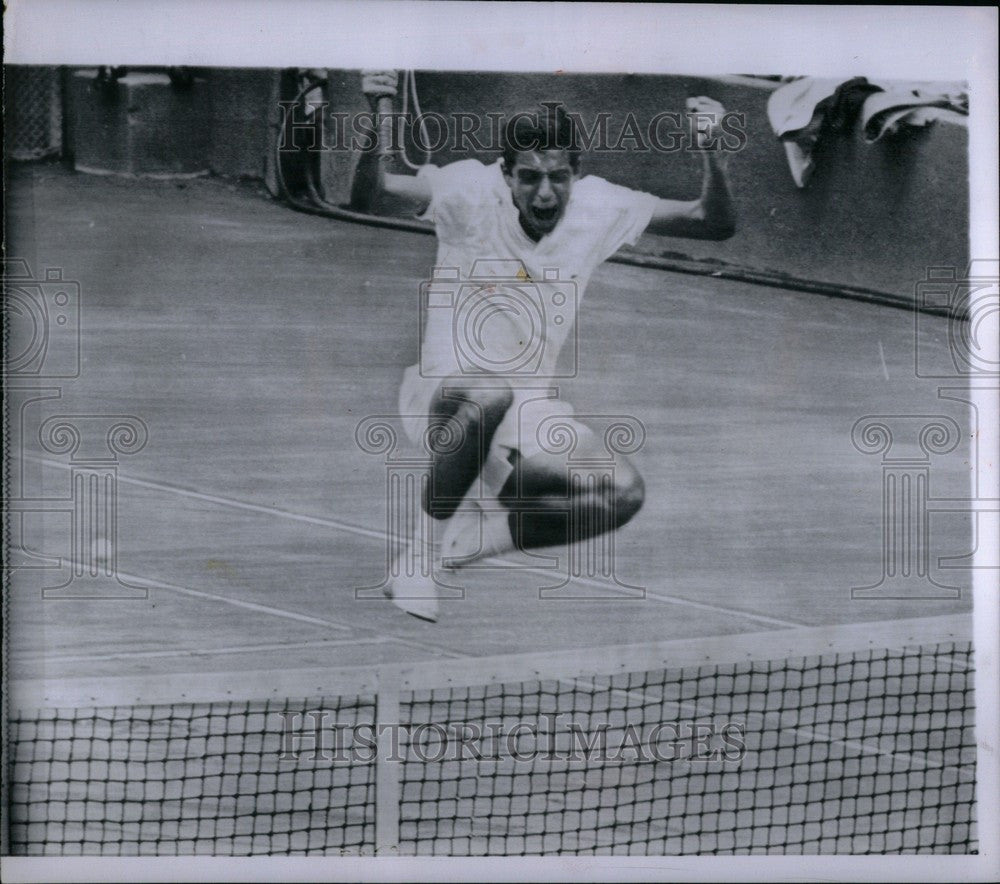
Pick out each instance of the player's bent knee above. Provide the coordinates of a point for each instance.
(487, 400)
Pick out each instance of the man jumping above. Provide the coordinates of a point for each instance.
(475, 396)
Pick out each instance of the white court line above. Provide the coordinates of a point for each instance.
(290, 615)
(206, 652)
(142, 582)
(382, 536)
(229, 600)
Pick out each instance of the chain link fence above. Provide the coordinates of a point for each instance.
(33, 111)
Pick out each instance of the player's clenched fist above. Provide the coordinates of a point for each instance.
(379, 84)
(708, 121)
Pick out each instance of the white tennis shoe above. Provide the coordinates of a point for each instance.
(475, 533)
(472, 533)
(412, 587)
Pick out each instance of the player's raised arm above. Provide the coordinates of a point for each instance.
(370, 176)
(712, 215)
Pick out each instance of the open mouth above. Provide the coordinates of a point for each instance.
(546, 214)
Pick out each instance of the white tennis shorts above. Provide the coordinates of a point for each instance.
(536, 422)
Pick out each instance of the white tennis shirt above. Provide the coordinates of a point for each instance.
(499, 302)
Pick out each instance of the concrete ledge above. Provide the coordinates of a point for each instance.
(138, 125)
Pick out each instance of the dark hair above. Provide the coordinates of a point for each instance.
(552, 129)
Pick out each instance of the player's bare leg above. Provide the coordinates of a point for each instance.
(465, 414)
(540, 507)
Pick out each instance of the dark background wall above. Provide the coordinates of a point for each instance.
(873, 215)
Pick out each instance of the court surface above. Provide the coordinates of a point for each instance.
(252, 340)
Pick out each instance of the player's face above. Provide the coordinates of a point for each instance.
(540, 183)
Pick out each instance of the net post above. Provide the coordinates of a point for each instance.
(387, 765)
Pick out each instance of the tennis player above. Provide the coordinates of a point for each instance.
(518, 241)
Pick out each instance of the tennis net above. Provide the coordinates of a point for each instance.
(855, 739)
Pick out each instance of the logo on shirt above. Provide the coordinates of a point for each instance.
(498, 320)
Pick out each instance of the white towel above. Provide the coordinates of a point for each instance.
(791, 109)
(885, 112)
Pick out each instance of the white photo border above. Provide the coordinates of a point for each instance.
(916, 42)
